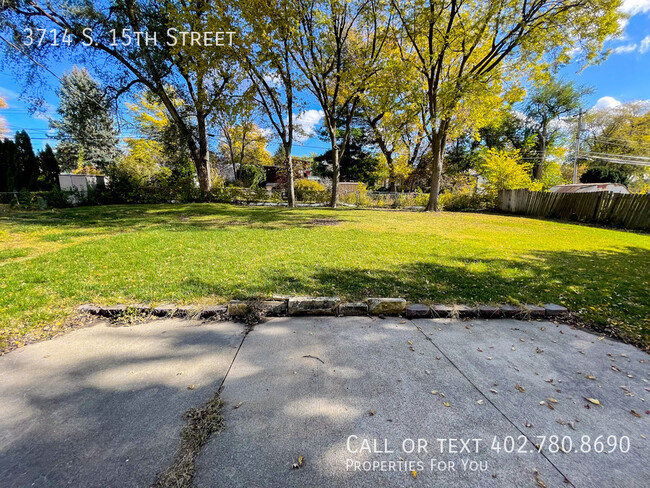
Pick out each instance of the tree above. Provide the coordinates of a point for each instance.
(270, 67)
(204, 78)
(19, 166)
(8, 168)
(357, 163)
(243, 144)
(600, 174)
(503, 170)
(468, 52)
(49, 168)
(337, 49)
(619, 134)
(390, 107)
(86, 130)
(152, 121)
(548, 102)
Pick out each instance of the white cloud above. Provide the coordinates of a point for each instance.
(273, 80)
(306, 122)
(8, 94)
(607, 103)
(644, 46)
(631, 8)
(627, 48)
(634, 7)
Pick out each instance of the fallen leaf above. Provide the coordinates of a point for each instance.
(299, 464)
(520, 388)
(549, 380)
(592, 400)
(410, 342)
(479, 349)
(414, 474)
(572, 425)
(412, 348)
(480, 402)
(494, 391)
(590, 377)
(614, 368)
(636, 414)
(601, 338)
(237, 406)
(446, 404)
(550, 399)
(539, 482)
(402, 321)
(372, 412)
(427, 371)
(528, 424)
(191, 387)
(539, 351)
(513, 348)
(434, 392)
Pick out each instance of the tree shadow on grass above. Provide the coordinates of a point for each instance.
(607, 288)
(173, 217)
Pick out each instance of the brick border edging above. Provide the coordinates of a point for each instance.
(331, 306)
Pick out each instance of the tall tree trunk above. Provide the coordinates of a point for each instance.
(201, 158)
(391, 173)
(291, 194)
(539, 170)
(335, 169)
(437, 149)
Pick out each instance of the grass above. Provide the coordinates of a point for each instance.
(51, 261)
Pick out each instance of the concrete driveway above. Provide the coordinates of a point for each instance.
(363, 402)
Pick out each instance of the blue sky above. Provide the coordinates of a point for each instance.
(623, 77)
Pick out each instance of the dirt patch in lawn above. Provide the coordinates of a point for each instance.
(324, 222)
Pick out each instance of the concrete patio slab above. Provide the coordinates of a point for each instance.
(303, 387)
(458, 402)
(103, 406)
(561, 367)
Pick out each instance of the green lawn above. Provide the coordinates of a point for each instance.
(52, 261)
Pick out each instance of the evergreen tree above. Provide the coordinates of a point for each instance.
(49, 168)
(7, 165)
(86, 131)
(27, 168)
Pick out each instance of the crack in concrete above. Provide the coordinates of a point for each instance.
(202, 423)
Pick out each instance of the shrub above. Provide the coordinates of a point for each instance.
(464, 199)
(309, 191)
(504, 171)
(251, 176)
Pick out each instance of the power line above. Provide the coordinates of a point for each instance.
(619, 156)
(618, 161)
(610, 139)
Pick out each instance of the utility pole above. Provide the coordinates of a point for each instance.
(575, 162)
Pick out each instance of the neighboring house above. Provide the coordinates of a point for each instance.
(302, 169)
(590, 188)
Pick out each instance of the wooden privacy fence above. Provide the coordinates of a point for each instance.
(615, 209)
